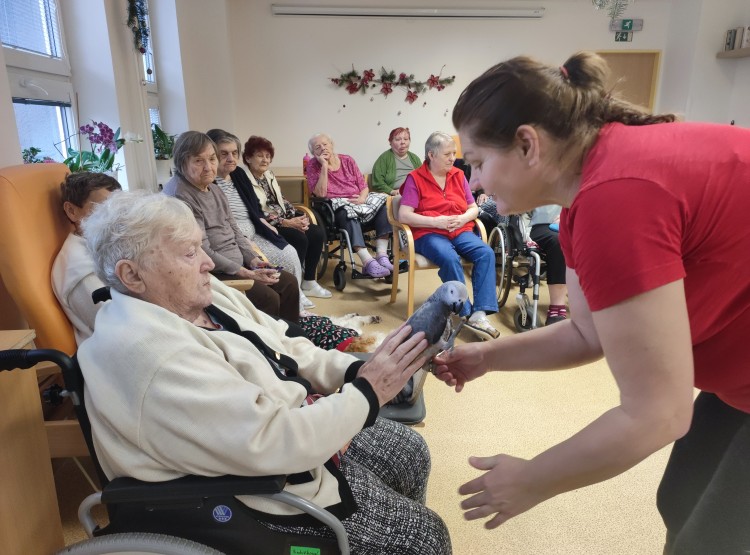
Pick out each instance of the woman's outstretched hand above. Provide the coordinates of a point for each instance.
(462, 364)
(503, 491)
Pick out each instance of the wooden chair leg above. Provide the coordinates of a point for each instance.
(396, 265)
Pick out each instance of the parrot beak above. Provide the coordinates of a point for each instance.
(457, 307)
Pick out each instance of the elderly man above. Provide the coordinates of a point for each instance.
(186, 376)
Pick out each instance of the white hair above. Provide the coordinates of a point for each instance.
(435, 142)
(316, 136)
(126, 224)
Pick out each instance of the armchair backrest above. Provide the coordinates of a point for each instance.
(33, 227)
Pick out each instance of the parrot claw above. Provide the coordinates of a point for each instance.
(449, 343)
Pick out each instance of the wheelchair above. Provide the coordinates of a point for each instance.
(338, 245)
(192, 515)
(521, 262)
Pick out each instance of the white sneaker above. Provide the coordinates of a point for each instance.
(314, 289)
(304, 302)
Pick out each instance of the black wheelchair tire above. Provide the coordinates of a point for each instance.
(137, 543)
(324, 253)
(517, 320)
(339, 278)
(504, 273)
(323, 262)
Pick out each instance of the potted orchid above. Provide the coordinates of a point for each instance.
(105, 143)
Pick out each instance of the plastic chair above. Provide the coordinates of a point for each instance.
(414, 261)
(159, 517)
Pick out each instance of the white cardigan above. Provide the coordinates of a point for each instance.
(167, 398)
(262, 197)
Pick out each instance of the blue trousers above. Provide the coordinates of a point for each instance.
(446, 254)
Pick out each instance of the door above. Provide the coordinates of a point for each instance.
(634, 75)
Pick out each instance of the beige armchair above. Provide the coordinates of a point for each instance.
(416, 261)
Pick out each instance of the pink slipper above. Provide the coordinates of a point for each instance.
(384, 262)
(373, 269)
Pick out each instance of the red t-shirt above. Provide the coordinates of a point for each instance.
(659, 203)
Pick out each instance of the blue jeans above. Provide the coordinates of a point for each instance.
(445, 253)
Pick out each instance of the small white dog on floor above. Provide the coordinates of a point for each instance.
(366, 342)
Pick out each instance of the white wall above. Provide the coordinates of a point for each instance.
(283, 91)
(206, 64)
(739, 107)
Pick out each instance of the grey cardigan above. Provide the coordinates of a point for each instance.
(223, 241)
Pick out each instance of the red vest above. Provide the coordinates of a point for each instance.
(434, 201)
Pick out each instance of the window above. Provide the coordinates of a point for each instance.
(33, 29)
(38, 74)
(45, 126)
(32, 37)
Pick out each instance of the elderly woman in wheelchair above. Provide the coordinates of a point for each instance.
(185, 376)
(337, 177)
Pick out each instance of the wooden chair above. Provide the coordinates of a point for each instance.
(33, 227)
(416, 261)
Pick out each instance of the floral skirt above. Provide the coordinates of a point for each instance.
(325, 334)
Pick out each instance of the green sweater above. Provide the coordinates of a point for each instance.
(384, 171)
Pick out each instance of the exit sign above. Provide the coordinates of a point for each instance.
(623, 36)
(626, 25)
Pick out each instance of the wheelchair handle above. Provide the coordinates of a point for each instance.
(26, 358)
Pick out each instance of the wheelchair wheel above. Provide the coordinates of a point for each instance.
(339, 278)
(323, 262)
(138, 544)
(325, 254)
(522, 326)
(499, 243)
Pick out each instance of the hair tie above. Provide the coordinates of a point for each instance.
(564, 71)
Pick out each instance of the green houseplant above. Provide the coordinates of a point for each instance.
(163, 143)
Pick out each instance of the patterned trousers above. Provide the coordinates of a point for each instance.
(387, 466)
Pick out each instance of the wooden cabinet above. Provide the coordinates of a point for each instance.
(29, 517)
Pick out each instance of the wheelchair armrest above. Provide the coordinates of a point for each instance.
(130, 490)
(323, 207)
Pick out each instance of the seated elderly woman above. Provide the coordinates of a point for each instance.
(437, 203)
(391, 168)
(196, 161)
(337, 177)
(245, 208)
(305, 237)
(185, 376)
(73, 275)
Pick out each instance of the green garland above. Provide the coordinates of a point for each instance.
(355, 82)
(138, 23)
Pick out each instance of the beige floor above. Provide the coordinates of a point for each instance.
(519, 414)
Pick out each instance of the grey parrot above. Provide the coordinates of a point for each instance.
(434, 319)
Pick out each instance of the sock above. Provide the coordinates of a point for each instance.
(381, 245)
(478, 314)
(557, 310)
(364, 256)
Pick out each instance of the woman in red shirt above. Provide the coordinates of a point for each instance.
(654, 228)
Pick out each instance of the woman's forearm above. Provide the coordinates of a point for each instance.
(547, 348)
(411, 218)
(471, 213)
(610, 445)
(321, 187)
